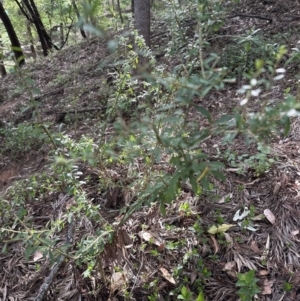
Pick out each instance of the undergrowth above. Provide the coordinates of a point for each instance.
(159, 133)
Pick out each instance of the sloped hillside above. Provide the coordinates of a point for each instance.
(121, 184)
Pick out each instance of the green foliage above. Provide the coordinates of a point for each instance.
(287, 286)
(21, 139)
(240, 56)
(159, 131)
(248, 286)
(260, 162)
(186, 294)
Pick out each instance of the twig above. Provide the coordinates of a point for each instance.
(44, 288)
(250, 16)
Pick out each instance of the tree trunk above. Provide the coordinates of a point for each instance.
(45, 38)
(62, 36)
(2, 67)
(30, 11)
(142, 19)
(132, 8)
(83, 34)
(29, 33)
(15, 44)
(119, 10)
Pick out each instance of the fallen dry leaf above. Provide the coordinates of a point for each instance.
(259, 217)
(147, 236)
(270, 216)
(194, 275)
(266, 249)
(266, 288)
(161, 247)
(167, 275)
(225, 197)
(117, 282)
(254, 247)
(37, 255)
(215, 243)
(232, 274)
(263, 273)
(230, 265)
(229, 240)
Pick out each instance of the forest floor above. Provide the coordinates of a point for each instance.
(148, 253)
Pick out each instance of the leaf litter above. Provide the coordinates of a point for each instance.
(163, 244)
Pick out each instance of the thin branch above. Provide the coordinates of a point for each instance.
(44, 288)
(250, 16)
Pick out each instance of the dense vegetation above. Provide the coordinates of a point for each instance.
(167, 172)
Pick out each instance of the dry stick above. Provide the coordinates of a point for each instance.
(250, 16)
(75, 111)
(44, 288)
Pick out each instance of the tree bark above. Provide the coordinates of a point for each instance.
(15, 44)
(119, 10)
(30, 11)
(29, 33)
(83, 34)
(2, 67)
(142, 19)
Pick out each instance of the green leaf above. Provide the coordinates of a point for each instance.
(170, 194)
(218, 175)
(47, 242)
(4, 248)
(224, 119)
(200, 297)
(184, 291)
(29, 251)
(216, 165)
(219, 229)
(162, 208)
(205, 182)
(287, 286)
(21, 213)
(204, 112)
(51, 256)
(249, 276)
(287, 126)
(194, 183)
(259, 64)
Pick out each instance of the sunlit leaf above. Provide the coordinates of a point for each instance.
(219, 229)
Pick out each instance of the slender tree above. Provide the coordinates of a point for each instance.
(15, 44)
(141, 12)
(120, 12)
(31, 13)
(29, 34)
(2, 67)
(83, 34)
